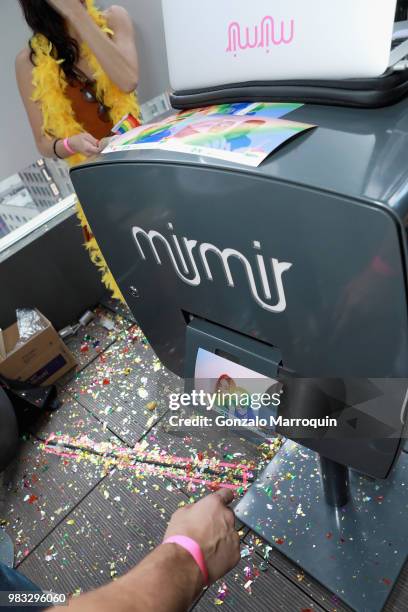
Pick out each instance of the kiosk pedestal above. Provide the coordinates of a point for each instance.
(357, 550)
(196, 241)
(335, 481)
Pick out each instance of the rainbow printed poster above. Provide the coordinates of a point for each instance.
(242, 139)
(243, 133)
(272, 110)
(154, 132)
(275, 110)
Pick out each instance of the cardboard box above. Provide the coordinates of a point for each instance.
(41, 360)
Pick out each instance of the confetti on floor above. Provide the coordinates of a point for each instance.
(208, 472)
(78, 522)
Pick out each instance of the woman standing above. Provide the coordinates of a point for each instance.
(77, 78)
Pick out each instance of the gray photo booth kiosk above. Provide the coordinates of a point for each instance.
(297, 268)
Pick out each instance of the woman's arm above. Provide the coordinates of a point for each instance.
(80, 143)
(117, 55)
(24, 70)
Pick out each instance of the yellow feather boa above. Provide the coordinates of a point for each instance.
(59, 121)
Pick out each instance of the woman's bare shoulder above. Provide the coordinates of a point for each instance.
(24, 71)
(23, 61)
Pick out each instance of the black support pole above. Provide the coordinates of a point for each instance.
(335, 479)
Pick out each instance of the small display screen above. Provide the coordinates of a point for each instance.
(237, 390)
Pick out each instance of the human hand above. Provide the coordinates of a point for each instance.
(85, 144)
(211, 524)
(67, 8)
(104, 142)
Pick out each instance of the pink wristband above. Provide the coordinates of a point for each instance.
(194, 549)
(67, 147)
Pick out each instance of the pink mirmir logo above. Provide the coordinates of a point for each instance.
(268, 34)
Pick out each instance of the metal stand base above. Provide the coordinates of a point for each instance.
(356, 551)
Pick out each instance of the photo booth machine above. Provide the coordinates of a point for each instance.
(297, 270)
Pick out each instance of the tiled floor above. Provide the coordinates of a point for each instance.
(78, 523)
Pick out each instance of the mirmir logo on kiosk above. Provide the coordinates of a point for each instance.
(270, 33)
(185, 253)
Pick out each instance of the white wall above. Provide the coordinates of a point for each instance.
(17, 148)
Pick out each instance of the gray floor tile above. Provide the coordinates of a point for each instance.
(224, 446)
(118, 308)
(40, 490)
(92, 340)
(71, 419)
(126, 387)
(253, 586)
(108, 533)
(398, 601)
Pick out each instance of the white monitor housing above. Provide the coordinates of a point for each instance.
(235, 41)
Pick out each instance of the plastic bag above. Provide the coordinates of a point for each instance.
(29, 323)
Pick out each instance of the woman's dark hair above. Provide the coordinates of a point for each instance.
(43, 19)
